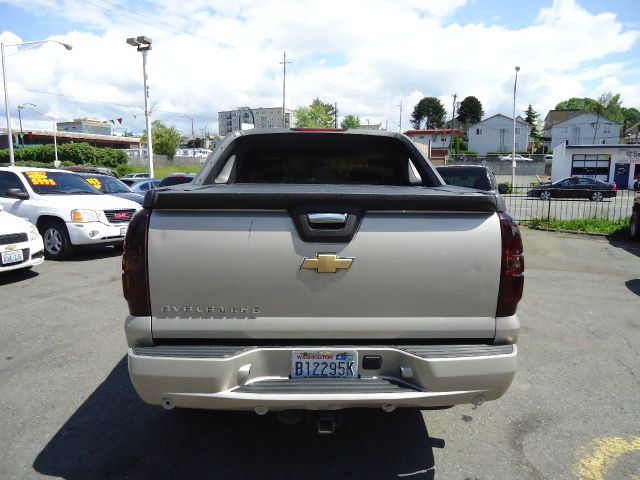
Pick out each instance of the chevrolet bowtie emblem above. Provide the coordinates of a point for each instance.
(326, 263)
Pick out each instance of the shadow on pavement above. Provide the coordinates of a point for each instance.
(85, 254)
(627, 245)
(634, 286)
(114, 435)
(15, 276)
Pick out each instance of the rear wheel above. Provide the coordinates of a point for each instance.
(597, 196)
(55, 237)
(545, 195)
(634, 225)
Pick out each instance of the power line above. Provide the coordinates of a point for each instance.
(161, 7)
(142, 15)
(127, 16)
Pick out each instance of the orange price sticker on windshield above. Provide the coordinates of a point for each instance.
(40, 178)
(95, 182)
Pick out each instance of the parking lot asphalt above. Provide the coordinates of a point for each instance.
(68, 408)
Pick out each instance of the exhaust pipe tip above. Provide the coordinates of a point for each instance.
(261, 410)
(167, 403)
(388, 408)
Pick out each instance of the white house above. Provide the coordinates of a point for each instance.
(495, 134)
(576, 127)
(439, 138)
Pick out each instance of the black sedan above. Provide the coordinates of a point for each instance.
(112, 186)
(575, 187)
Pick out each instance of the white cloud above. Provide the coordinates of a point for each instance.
(365, 55)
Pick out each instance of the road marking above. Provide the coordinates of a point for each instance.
(604, 453)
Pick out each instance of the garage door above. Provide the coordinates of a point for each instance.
(593, 166)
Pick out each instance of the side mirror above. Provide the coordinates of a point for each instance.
(17, 193)
(503, 189)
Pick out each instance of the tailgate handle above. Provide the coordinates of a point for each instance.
(325, 218)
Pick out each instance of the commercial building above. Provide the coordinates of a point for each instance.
(243, 118)
(86, 125)
(610, 163)
(45, 137)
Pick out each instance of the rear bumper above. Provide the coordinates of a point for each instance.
(245, 377)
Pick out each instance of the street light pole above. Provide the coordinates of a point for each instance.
(193, 138)
(143, 45)
(284, 83)
(56, 163)
(513, 152)
(20, 107)
(6, 89)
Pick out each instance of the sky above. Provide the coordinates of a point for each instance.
(368, 56)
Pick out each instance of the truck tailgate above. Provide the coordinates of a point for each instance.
(415, 274)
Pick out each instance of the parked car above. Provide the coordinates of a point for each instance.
(90, 169)
(136, 175)
(575, 187)
(321, 277)
(474, 176)
(67, 210)
(112, 186)
(471, 176)
(143, 186)
(634, 224)
(176, 179)
(20, 243)
(519, 158)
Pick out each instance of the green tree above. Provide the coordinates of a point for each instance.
(431, 110)
(608, 105)
(165, 139)
(631, 117)
(470, 111)
(586, 104)
(532, 118)
(351, 121)
(316, 115)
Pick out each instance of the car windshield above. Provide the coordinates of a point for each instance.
(60, 183)
(108, 184)
(465, 177)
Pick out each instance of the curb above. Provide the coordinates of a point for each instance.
(574, 232)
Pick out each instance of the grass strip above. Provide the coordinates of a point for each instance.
(584, 225)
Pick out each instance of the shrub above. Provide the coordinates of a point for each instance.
(508, 184)
(72, 153)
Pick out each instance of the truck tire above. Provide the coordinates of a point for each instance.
(634, 225)
(57, 245)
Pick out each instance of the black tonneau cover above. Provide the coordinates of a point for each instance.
(284, 197)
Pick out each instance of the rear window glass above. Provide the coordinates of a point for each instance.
(169, 181)
(465, 177)
(311, 159)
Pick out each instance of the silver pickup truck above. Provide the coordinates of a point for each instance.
(321, 270)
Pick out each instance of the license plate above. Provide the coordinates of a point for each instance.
(13, 256)
(324, 364)
(123, 231)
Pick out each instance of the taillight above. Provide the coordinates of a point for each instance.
(135, 277)
(615, 187)
(512, 269)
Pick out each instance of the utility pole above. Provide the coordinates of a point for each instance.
(453, 119)
(335, 111)
(400, 123)
(284, 84)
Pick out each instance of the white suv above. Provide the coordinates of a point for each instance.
(67, 210)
